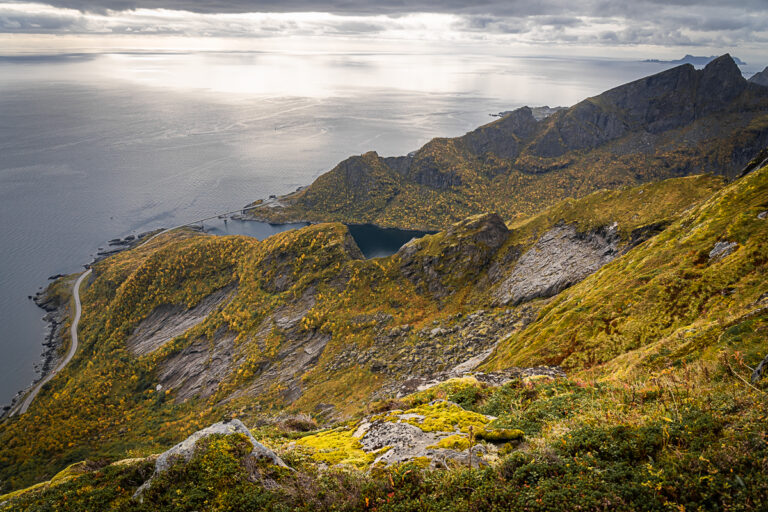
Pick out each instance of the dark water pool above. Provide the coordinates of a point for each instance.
(377, 242)
(374, 241)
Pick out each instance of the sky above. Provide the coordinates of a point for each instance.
(649, 28)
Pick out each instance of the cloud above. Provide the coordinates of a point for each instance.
(547, 22)
(505, 8)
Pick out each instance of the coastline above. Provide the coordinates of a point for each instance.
(56, 315)
(56, 304)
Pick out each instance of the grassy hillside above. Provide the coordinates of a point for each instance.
(303, 324)
(667, 301)
(691, 438)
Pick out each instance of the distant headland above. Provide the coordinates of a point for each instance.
(696, 60)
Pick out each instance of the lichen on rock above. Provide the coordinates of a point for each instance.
(186, 449)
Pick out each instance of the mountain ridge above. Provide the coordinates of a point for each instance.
(597, 353)
(760, 78)
(300, 322)
(677, 122)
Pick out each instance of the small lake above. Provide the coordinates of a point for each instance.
(377, 242)
(373, 241)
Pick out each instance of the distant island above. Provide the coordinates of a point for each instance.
(696, 60)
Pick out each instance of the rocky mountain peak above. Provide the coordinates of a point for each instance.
(723, 66)
(720, 82)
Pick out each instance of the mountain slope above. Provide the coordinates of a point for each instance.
(678, 122)
(760, 78)
(191, 326)
(682, 294)
(671, 317)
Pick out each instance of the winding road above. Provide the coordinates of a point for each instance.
(22, 408)
(72, 348)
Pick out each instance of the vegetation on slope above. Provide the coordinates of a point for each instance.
(672, 292)
(373, 322)
(690, 438)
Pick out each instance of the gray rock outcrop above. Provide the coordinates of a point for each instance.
(761, 368)
(186, 449)
(198, 369)
(407, 442)
(722, 249)
(170, 320)
(560, 258)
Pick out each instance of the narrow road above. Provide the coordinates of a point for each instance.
(72, 348)
(21, 409)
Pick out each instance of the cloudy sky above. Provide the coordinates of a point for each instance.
(657, 28)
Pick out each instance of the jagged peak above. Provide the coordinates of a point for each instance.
(724, 67)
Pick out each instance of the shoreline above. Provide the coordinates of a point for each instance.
(56, 314)
(57, 311)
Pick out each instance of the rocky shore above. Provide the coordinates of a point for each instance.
(117, 245)
(57, 311)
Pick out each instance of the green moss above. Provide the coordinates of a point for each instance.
(337, 446)
(439, 417)
(453, 442)
(70, 472)
(449, 389)
(500, 435)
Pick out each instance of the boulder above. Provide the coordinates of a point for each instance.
(722, 249)
(186, 449)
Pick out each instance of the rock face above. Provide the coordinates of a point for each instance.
(760, 78)
(757, 374)
(722, 249)
(504, 137)
(560, 258)
(661, 102)
(198, 369)
(170, 320)
(186, 449)
(298, 353)
(414, 357)
(461, 251)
